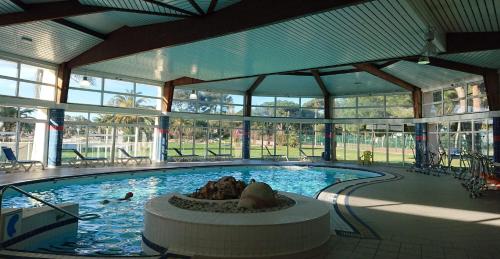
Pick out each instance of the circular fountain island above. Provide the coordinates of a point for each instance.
(228, 218)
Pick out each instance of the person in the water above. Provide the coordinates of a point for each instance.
(127, 197)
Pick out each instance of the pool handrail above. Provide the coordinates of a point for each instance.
(83, 217)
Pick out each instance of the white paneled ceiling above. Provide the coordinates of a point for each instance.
(358, 83)
(282, 85)
(229, 86)
(352, 34)
(487, 58)
(107, 22)
(425, 76)
(50, 41)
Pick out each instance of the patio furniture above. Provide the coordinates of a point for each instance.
(220, 156)
(137, 159)
(274, 157)
(87, 161)
(15, 163)
(366, 157)
(182, 157)
(304, 156)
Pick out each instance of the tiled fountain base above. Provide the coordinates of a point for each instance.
(287, 233)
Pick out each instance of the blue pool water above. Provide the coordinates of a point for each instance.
(118, 230)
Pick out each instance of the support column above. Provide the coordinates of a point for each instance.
(56, 128)
(163, 132)
(420, 144)
(246, 140)
(327, 155)
(496, 140)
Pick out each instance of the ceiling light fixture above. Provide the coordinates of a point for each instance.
(193, 95)
(85, 82)
(429, 49)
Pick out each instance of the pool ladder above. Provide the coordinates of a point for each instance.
(83, 217)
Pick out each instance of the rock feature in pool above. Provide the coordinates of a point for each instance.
(254, 197)
(225, 188)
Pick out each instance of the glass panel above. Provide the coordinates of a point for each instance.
(118, 86)
(38, 74)
(281, 139)
(339, 142)
(76, 116)
(201, 141)
(312, 113)
(36, 91)
(8, 87)
(481, 143)
(26, 139)
(287, 102)
(395, 143)
(187, 133)
(84, 97)
(74, 137)
(232, 110)
(370, 112)
(399, 112)
(476, 89)
(8, 68)
(148, 103)
(256, 138)
(366, 136)
(454, 93)
(288, 112)
(207, 107)
(351, 139)
(181, 94)
(379, 143)
(431, 110)
(399, 100)
(454, 106)
(236, 136)
(313, 102)
(32, 113)
(128, 139)
(183, 106)
(477, 104)
(6, 111)
(232, 99)
(148, 90)
(95, 82)
(263, 111)
(370, 101)
(345, 113)
(345, 102)
(262, 101)
(292, 132)
(7, 136)
(409, 148)
(118, 100)
(437, 96)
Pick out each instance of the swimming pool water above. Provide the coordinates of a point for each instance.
(118, 230)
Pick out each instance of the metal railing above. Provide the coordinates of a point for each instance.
(83, 217)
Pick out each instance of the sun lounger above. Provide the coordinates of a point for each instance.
(274, 157)
(182, 157)
(305, 156)
(220, 156)
(86, 161)
(137, 159)
(25, 164)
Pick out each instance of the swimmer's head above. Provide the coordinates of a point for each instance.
(129, 195)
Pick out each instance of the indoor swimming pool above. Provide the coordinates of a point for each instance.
(118, 230)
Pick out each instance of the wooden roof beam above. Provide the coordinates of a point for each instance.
(416, 92)
(196, 6)
(211, 7)
(472, 41)
(235, 18)
(326, 93)
(171, 7)
(48, 11)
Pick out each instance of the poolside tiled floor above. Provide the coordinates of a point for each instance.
(417, 216)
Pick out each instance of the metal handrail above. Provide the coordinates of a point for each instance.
(79, 217)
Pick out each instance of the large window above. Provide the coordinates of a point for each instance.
(388, 143)
(101, 134)
(380, 106)
(460, 98)
(23, 129)
(111, 92)
(199, 137)
(207, 102)
(27, 81)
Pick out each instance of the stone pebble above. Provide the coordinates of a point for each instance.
(227, 207)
